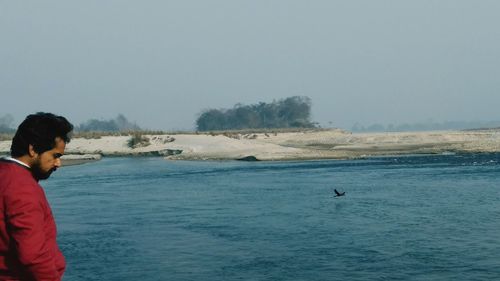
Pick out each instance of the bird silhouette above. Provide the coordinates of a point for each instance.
(337, 193)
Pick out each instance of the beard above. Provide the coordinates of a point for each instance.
(40, 174)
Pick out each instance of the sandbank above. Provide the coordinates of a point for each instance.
(269, 146)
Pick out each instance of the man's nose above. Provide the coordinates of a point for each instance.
(58, 162)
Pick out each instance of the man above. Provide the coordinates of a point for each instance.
(28, 247)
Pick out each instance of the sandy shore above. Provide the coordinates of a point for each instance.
(311, 144)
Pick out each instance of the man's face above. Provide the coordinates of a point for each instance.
(47, 162)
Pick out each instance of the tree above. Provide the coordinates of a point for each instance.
(211, 120)
(295, 112)
(292, 112)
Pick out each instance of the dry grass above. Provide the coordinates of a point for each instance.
(259, 131)
(98, 135)
(228, 133)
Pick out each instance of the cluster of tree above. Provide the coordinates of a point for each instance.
(6, 122)
(426, 126)
(292, 112)
(119, 124)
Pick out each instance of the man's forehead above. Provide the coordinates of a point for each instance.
(60, 144)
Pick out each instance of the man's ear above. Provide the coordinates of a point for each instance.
(31, 151)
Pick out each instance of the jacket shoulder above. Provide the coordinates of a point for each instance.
(13, 177)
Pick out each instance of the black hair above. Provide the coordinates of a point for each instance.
(40, 130)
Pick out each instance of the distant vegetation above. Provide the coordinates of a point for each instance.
(6, 124)
(119, 124)
(292, 112)
(427, 126)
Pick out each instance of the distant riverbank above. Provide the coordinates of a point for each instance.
(301, 145)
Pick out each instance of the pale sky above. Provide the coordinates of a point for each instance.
(160, 63)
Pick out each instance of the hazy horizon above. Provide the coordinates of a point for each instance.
(160, 63)
(423, 125)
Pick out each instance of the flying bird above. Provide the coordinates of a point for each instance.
(337, 193)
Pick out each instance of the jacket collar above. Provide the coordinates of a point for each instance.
(10, 159)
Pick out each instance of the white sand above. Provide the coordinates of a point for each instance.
(313, 144)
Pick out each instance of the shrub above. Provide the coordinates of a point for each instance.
(138, 140)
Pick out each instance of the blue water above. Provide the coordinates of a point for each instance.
(403, 218)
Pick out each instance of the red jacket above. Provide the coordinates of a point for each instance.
(28, 247)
